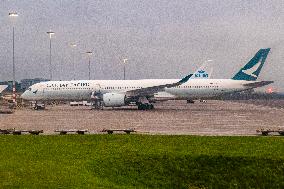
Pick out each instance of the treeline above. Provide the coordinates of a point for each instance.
(247, 95)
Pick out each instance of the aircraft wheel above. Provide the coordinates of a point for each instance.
(142, 107)
(149, 106)
(190, 101)
(145, 106)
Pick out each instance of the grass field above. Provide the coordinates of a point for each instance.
(141, 161)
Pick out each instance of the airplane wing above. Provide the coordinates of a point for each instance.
(3, 87)
(258, 84)
(148, 91)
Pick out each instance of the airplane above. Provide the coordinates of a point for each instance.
(200, 73)
(2, 88)
(142, 93)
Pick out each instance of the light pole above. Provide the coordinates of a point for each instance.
(124, 63)
(13, 15)
(89, 53)
(73, 45)
(210, 68)
(50, 33)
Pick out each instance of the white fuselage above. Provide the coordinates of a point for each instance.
(82, 89)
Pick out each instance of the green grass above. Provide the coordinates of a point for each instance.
(141, 161)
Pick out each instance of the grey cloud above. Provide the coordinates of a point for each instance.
(161, 38)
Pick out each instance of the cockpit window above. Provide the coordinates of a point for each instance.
(29, 89)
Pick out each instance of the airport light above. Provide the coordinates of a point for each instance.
(124, 64)
(50, 33)
(73, 46)
(205, 66)
(89, 53)
(13, 15)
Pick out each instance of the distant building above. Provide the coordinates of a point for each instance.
(23, 85)
(26, 83)
(10, 85)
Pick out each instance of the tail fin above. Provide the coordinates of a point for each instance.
(252, 69)
(204, 72)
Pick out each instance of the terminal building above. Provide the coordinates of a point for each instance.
(10, 85)
(26, 83)
(23, 85)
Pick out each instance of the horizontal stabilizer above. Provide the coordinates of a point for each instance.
(258, 84)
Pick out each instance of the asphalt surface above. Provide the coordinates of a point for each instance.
(172, 117)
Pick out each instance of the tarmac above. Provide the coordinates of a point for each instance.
(218, 118)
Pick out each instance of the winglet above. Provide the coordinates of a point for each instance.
(185, 79)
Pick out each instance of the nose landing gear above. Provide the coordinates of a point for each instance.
(38, 105)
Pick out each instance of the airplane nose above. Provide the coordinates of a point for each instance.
(24, 95)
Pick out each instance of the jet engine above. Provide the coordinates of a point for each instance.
(114, 99)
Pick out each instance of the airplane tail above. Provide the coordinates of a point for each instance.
(252, 69)
(204, 71)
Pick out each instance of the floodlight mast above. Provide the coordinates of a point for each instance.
(89, 53)
(13, 15)
(73, 46)
(124, 64)
(50, 33)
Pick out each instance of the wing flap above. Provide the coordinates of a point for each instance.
(258, 84)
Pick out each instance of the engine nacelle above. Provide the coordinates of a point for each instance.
(113, 99)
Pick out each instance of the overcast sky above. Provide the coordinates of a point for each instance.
(160, 38)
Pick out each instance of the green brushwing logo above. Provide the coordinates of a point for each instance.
(252, 69)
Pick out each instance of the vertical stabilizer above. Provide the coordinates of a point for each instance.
(252, 69)
(204, 71)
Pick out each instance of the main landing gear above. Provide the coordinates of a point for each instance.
(97, 105)
(97, 102)
(145, 106)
